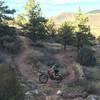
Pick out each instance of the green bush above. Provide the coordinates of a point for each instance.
(9, 86)
(86, 56)
(66, 34)
(85, 39)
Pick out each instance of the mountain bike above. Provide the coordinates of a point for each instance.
(43, 77)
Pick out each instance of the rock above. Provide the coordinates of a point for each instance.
(59, 92)
(32, 85)
(28, 93)
(31, 92)
(93, 97)
(36, 91)
(23, 85)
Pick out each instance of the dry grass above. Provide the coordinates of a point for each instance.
(42, 57)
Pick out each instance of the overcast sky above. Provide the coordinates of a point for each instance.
(55, 7)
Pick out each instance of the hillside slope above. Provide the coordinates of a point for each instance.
(65, 58)
(24, 68)
(94, 11)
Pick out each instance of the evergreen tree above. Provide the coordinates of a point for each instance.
(20, 20)
(51, 28)
(35, 28)
(5, 12)
(83, 34)
(66, 33)
(8, 36)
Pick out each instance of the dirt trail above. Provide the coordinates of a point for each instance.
(67, 60)
(24, 68)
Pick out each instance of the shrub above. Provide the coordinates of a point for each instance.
(16, 47)
(98, 85)
(85, 39)
(89, 86)
(86, 56)
(11, 44)
(42, 57)
(72, 89)
(79, 74)
(66, 34)
(92, 73)
(9, 86)
(8, 39)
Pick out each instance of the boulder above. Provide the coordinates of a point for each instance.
(59, 92)
(93, 97)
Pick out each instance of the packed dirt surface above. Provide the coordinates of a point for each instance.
(67, 59)
(25, 69)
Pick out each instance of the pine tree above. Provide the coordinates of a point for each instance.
(83, 36)
(66, 33)
(51, 28)
(8, 36)
(36, 23)
(5, 12)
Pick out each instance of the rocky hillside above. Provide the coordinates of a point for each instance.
(38, 56)
(94, 20)
(34, 57)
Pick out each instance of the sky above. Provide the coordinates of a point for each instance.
(55, 7)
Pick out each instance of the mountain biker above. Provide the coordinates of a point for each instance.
(54, 69)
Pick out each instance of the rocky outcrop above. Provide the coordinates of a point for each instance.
(93, 97)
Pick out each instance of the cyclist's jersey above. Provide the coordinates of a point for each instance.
(55, 67)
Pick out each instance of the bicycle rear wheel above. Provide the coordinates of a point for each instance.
(43, 78)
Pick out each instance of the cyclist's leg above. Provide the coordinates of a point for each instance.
(56, 71)
(52, 73)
